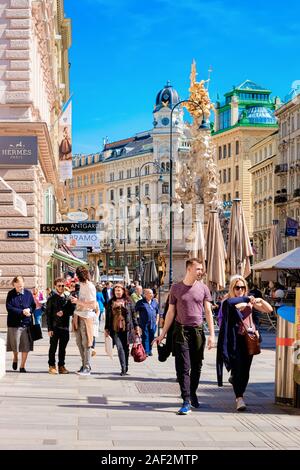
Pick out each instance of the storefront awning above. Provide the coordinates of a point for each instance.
(68, 259)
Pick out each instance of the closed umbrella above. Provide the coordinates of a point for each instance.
(96, 273)
(150, 276)
(239, 247)
(126, 276)
(275, 246)
(215, 253)
(199, 242)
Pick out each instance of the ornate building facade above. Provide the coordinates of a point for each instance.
(131, 172)
(264, 158)
(287, 171)
(246, 117)
(34, 84)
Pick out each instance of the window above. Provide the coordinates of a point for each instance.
(229, 150)
(224, 176)
(100, 198)
(112, 195)
(92, 199)
(229, 175)
(129, 192)
(168, 167)
(229, 197)
(121, 192)
(71, 201)
(86, 180)
(237, 147)
(92, 178)
(147, 170)
(237, 173)
(111, 177)
(121, 175)
(163, 167)
(79, 201)
(129, 173)
(146, 189)
(224, 151)
(136, 171)
(270, 149)
(260, 155)
(220, 177)
(86, 199)
(237, 194)
(79, 181)
(98, 177)
(220, 152)
(136, 191)
(224, 197)
(265, 152)
(165, 188)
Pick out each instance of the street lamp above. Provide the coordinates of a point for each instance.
(204, 126)
(158, 167)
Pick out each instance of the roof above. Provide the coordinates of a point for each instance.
(133, 147)
(249, 85)
(118, 143)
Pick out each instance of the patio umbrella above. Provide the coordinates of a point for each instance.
(199, 242)
(150, 276)
(126, 276)
(215, 253)
(239, 247)
(275, 246)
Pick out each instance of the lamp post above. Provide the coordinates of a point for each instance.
(158, 167)
(203, 126)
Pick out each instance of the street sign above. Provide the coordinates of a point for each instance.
(18, 234)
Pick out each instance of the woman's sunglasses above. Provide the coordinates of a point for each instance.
(239, 287)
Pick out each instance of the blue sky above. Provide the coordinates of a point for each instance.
(124, 51)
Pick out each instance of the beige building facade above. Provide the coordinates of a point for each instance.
(287, 171)
(264, 157)
(245, 118)
(111, 186)
(34, 83)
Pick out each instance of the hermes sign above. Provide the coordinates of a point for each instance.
(21, 150)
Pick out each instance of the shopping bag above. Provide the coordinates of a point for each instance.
(138, 351)
(108, 343)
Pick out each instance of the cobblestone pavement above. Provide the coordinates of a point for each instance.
(138, 411)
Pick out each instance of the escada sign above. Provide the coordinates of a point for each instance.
(21, 150)
(55, 229)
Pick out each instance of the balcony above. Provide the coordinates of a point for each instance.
(282, 168)
(296, 193)
(280, 199)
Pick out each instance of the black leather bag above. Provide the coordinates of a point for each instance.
(35, 332)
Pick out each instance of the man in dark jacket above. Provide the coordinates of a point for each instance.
(58, 312)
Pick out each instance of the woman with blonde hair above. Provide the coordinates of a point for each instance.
(232, 348)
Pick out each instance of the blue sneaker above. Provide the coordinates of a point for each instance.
(185, 409)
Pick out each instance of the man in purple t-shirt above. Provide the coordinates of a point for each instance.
(187, 301)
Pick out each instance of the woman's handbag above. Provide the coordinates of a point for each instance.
(252, 340)
(109, 346)
(35, 331)
(138, 351)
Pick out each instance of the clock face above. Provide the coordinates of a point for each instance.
(165, 121)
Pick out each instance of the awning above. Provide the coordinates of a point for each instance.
(68, 259)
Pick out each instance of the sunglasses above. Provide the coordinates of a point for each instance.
(60, 285)
(239, 287)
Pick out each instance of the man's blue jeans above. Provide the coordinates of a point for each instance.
(148, 337)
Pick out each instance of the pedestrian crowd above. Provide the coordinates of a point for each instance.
(132, 315)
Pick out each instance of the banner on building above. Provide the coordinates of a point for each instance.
(65, 144)
(291, 227)
(81, 239)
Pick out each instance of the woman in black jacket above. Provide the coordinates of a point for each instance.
(120, 320)
(232, 349)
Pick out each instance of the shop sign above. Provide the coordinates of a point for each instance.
(22, 150)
